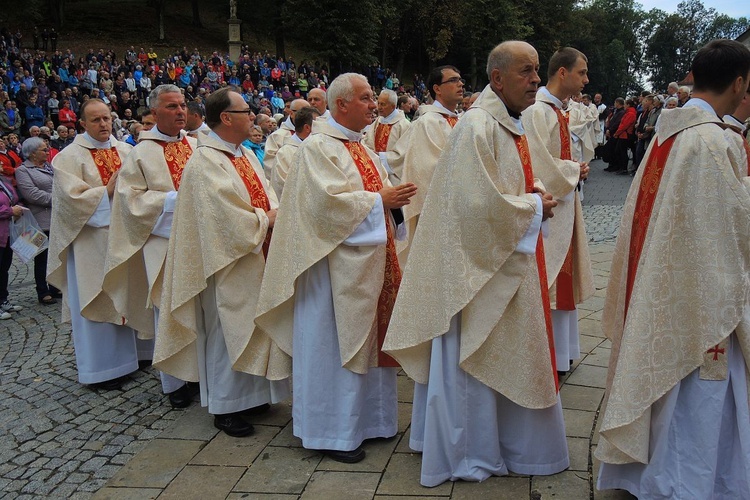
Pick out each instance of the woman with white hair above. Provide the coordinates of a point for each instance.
(34, 184)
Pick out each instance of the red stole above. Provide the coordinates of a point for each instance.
(565, 298)
(522, 146)
(107, 161)
(382, 133)
(452, 120)
(644, 205)
(372, 183)
(176, 154)
(258, 195)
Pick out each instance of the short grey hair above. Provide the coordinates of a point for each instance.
(391, 95)
(673, 85)
(500, 58)
(671, 99)
(685, 89)
(31, 145)
(154, 95)
(342, 87)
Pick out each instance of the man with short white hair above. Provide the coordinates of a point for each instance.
(142, 210)
(683, 95)
(331, 279)
(389, 126)
(672, 89)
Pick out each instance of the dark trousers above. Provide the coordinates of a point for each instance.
(640, 152)
(40, 275)
(6, 259)
(620, 155)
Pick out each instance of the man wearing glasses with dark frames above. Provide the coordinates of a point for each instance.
(416, 153)
(220, 236)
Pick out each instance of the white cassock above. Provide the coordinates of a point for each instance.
(333, 407)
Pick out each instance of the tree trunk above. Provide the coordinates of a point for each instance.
(278, 30)
(57, 10)
(473, 71)
(160, 15)
(196, 14)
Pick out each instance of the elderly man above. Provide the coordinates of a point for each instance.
(278, 137)
(84, 182)
(566, 250)
(676, 422)
(142, 210)
(477, 335)
(317, 99)
(416, 155)
(266, 124)
(217, 249)
(303, 122)
(683, 94)
(389, 126)
(332, 278)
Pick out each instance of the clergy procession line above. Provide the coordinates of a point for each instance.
(452, 247)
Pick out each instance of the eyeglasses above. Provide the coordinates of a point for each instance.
(455, 79)
(247, 111)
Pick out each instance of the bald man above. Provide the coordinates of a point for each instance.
(486, 401)
(276, 139)
(317, 99)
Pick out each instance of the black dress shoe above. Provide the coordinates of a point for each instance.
(181, 398)
(144, 363)
(256, 410)
(561, 374)
(108, 385)
(347, 457)
(233, 425)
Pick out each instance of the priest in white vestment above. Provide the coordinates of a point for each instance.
(142, 210)
(389, 126)
(676, 422)
(303, 122)
(332, 277)
(221, 230)
(279, 136)
(566, 248)
(417, 152)
(472, 321)
(85, 174)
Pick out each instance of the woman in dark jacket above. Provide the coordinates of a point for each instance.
(34, 181)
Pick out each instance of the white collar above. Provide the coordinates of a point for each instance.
(438, 105)
(390, 119)
(697, 102)
(731, 120)
(160, 136)
(295, 137)
(98, 144)
(232, 147)
(350, 134)
(557, 102)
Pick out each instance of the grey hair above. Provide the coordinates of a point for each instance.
(671, 99)
(392, 97)
(500, 58)
(342, 87)
(167, 88)
(673, 85)
(30, 146)
(685, 89)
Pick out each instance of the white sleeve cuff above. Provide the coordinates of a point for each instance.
(527, 245)
(384, 161)
(163, 224)
(372, 230)
(101, 216)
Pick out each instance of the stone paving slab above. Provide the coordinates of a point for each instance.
(59, 439)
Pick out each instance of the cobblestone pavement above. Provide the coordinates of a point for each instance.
(59, 439)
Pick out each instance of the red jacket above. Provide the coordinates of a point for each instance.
(9, 161)
(627, 125)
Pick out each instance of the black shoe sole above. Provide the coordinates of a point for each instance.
(346, 457)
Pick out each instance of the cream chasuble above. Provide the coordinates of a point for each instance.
(385, 131)
(217, 232)
(464, 259)
(273, 144)
(414, 160)
(679, 279)
(78, 190)
(321, 207)
(567, 231)
(135, 256)
(284, 163)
